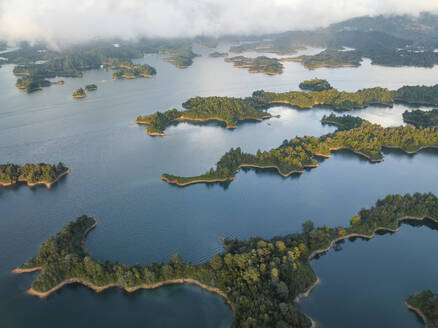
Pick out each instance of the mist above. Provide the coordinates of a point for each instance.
(60, 21)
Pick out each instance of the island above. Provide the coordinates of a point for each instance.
(79, 93)
(218, 54)
(228, 110)
(134, 71)
(261, 280)
(420, 118)
(32, 174)
(300, 153)
(425, 305)
(29, 84)
(91, 87)
(261, 64)
(329, 58)
(315, 85)
(344, 122)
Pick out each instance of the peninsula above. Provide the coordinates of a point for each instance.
(425, 305)
(344, 122)
(32, 174)
(261, 64)
(420, 118)
(228, 110)
(231, 110)
(261, 280)
(299, 153)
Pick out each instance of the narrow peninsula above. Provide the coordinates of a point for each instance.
(299, 153)
(261, 280)
(32, 174)
(425, 305)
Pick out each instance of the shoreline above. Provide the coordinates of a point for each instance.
(418, 312)
(298, 298)
(33, 184)
(306, 293)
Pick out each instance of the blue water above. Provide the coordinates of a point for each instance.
(116, 172)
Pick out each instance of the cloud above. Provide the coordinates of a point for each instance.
(79, 20)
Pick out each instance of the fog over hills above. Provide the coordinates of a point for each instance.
(60, 21)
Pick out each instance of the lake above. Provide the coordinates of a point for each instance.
(115, 176)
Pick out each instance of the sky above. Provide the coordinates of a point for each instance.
(82, 20)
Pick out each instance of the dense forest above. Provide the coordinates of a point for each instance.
(295, 155)
(29, 84)
(260, 64)
(427, 303)
(344, 122)
(133, 71)
(260, 278)
(418, 95)
(315, 85)
(227, 109)
(421, 118)
(329, 58)
(31, 173)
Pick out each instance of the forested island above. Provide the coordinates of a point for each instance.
(260, 64)
(79, 93)
(91, 87)
(425, 304)
(229, 110)
(329, 58)
(234, 110)
(421, 118)
(133, 71)
(299, 153)
(32, 174)
(315, 85)
(261, 280)
(216, 54)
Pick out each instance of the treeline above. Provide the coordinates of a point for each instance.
(421, 118)
(427, 303)
(315, 85)
(298, 153)
(31, 173)
(260, 64)
(418, 95)
(261, 278)
(344, 122)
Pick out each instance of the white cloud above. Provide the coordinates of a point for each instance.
(75, 20)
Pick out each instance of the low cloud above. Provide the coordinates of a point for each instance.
(80, 20)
